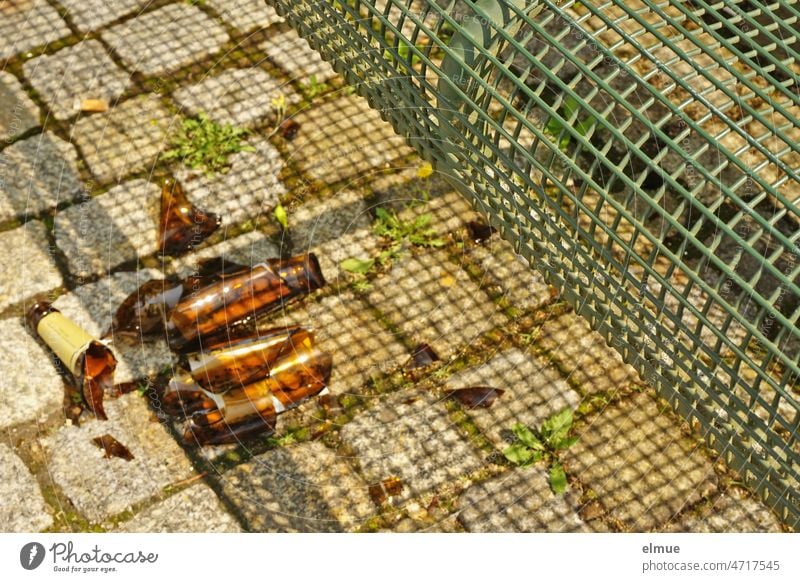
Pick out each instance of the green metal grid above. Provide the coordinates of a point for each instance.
(644, 156)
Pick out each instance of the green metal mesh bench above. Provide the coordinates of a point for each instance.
(643, 155)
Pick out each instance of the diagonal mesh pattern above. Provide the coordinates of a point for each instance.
(644, 156)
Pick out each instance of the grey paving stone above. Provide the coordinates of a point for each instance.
(585, 355)
(166, 39)
(28, 249)
(90, 15)
(346, 329)
(343, 138)
(534, 391)
(93, 306)
(40, 172)
(245, 15)
(642, 468)
(30, 388)
(82, 71)
(335, 229)
(409, 435)
(729, 514)
(431, 300)
(22, 507)
(100, 487)
(236, 96)
(296, 58)
(248, 249)
(248, 191)
(126, 139)
(28, 24)
(19, 113)
(193, 510)
(299, 488)
(524, 287)
(518, 501)
(109, 229)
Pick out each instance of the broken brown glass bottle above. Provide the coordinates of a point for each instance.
(144, 312)
(234, 300)
(236, 390)
(476, 396)
(90, 363)
(182, 226)
(112, 447)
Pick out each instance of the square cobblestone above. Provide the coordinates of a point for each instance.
(100, 487)
(248, 249)
(82, 71)
(410, 436)
(449, 212)
(28, 24)
(517, 502)
(245, 15)
(93, 306)
(90, 15)
(30, 388)
(346, 329)
(127, 139)
(343, 138)
(534, 391)
(28, 249)
(585, 355)
(431, 300)
(238, 96)
(40, 172)
(336, 229)
(298, 60)
(303, 488)
(22, 507)
(248, 191)
(184, 34)
(19, 113)
(193, 510)
(729, 515)
(640, 465)
(524, 287)
(107, 230)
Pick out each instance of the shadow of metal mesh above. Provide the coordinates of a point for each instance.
(643, 156)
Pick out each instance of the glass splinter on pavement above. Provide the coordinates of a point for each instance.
(221, 298)
(182, 226)
(112, 447)
(476, 396)
(422, 357)
(90, 363)
(237, 390)
(233, 301)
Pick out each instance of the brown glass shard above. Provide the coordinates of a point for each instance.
(390, 487)
(479, 231)
(422, 356)
(289, 129)
(144, 312)
(232, 390)
(476, 396)
(112, 447)
(182, 226)
(235, 300)
(90, 363)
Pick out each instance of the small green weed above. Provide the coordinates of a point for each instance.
(315, 88)
(399, 235)
(281, 216)
(202, 144)
(532, 447)
(555, 128)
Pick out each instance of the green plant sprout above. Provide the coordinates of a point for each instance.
(532, 447)
(281, 216)
(279, 107)
(555, 128)
(398, 234)
(314, 88)
(202, 144)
